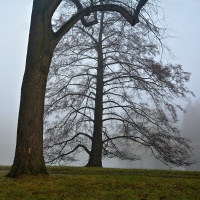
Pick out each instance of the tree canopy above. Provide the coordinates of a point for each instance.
(118, 66)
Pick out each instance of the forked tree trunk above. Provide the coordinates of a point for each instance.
(29, 149)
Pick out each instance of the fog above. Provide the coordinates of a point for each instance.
(147, 162)
(181, 16)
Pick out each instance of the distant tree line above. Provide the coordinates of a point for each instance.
(191, 130)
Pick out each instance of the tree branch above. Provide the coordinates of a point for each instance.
(66, 154)
(66, 141)
(132, 19)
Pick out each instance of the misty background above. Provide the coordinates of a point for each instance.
(182, 18)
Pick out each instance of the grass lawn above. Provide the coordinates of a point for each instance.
(95, 183)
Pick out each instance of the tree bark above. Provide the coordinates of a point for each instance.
(29, 149)
(95, 159)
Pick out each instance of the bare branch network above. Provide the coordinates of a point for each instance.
(77, 118)
(106, 82)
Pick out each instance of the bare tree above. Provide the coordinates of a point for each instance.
(42, 41)
(112, 94)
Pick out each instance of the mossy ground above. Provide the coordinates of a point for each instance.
(96, 183)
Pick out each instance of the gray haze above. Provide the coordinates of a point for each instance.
(182, 17)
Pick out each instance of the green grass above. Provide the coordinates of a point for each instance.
(96, 183)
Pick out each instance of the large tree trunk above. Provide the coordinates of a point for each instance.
(29, 149)
(95, 159)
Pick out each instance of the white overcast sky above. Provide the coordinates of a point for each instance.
(182, 16)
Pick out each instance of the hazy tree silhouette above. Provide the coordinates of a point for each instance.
(191, 129)
(107, 94)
